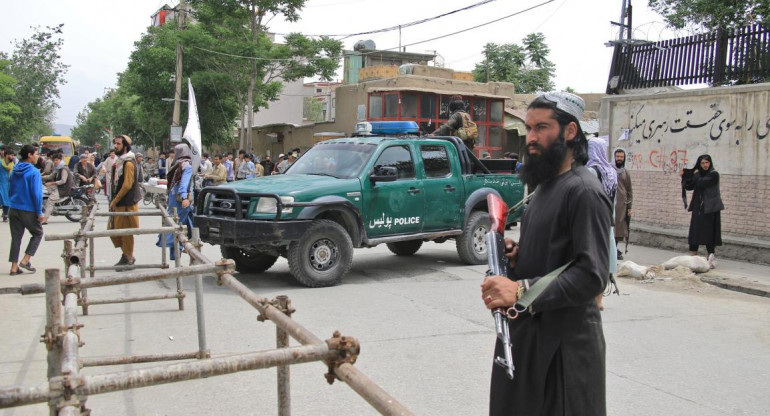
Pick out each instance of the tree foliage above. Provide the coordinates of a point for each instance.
(233, 64)
(240, 42)
(526, 66)
(712, 14)
(9, 111)
(36, 67)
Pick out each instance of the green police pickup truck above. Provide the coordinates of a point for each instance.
(356, 192)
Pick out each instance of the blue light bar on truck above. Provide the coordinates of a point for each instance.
(387, 127)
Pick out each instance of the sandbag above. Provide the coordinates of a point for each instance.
(697, 264)
(632, 270)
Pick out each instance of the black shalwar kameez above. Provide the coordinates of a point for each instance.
(559, 350)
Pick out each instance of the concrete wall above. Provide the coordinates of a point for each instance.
(662, 133)
(287, 109)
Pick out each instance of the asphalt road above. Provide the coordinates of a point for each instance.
(677, 347)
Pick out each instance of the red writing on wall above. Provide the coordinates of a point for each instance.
(661, 159)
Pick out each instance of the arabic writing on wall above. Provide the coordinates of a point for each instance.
(716, 123)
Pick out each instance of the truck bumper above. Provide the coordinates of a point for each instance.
(233, 232)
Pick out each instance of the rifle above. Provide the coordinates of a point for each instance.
(498, 266)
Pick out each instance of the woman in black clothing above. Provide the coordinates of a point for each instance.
(706, 202)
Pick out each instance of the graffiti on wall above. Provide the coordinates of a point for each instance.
(665, 159)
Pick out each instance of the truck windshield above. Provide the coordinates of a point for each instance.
(341, 160)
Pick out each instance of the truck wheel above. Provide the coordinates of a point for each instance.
(248, 261)
(405, 248)
(471, 244)
(322, 256)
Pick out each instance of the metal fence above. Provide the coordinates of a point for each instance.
(721, 57)
(68, 387)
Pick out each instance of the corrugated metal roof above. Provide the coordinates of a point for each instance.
(589, 126)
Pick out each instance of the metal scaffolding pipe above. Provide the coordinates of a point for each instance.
(108, 233)
(127, 214)
(199, 307)
(132, 267)
(21, 396)
(136, 359)
(107, 383)
(147, 276)
(135, 299)
(53, 321)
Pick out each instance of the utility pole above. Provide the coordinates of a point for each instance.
(178, 77)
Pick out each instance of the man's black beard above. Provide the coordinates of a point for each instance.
(620, 165)
(538, 168)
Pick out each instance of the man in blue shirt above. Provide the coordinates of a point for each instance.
(26, 209)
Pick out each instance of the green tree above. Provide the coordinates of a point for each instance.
(36, 65)
(712, 14)
(237, 31)
(9, 111)
(312, 109)
(526, 65)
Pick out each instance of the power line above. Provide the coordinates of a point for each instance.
(470, 28)
(404, 25)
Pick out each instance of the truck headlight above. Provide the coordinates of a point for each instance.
(269, 205)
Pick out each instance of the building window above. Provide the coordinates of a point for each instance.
(375, 106)
(479, 109)
(496, 111)
(391, 106)
(428, 105)
(409, 106)
(319, 90)
(496, 135)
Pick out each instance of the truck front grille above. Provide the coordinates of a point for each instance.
(225, 205)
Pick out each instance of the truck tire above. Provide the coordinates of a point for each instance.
(405, 248)
(248, 261)
(471, 244)
(322, 256)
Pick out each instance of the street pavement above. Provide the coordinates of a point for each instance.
(674, 347)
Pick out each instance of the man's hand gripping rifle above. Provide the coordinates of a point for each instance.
(498, 266)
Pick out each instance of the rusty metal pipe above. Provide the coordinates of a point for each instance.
(127, 214)
(146, 276)
(135, 359)
(135, 266)
(107, 383)
(21, 396)
(108, 233)
(370, 391)
(135, 299)
(53, 321)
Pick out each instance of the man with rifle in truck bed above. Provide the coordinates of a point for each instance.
(558, 347)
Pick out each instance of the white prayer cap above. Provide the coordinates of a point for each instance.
(567, 102)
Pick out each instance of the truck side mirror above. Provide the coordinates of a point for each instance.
(384, 174)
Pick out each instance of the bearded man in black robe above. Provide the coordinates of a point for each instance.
(558, 343)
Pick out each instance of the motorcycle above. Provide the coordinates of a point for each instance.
(72, 206)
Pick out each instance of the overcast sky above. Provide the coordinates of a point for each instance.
(99, 35)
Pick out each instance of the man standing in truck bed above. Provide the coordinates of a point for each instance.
(457, 120)
(558, 342)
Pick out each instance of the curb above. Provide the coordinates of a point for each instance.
(738, 285)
